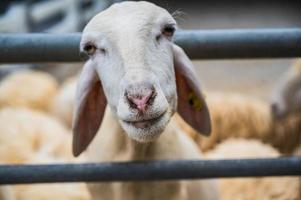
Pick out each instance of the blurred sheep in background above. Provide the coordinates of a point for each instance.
(241, 116)
(265, 188)
(31, 89)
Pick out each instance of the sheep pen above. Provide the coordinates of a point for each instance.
(40, 113)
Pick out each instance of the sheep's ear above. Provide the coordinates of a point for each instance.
(191, 103)
(90, 103)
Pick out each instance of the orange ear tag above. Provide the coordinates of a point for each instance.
(194, 101)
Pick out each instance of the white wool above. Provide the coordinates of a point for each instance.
(267, 188)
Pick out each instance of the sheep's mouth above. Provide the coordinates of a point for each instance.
(142, 124)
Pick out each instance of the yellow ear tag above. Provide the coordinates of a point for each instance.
(194, 101)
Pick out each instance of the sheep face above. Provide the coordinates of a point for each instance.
(135, 68)
(133, 59)
(287, 96)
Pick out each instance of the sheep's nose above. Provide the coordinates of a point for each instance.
(140, 96)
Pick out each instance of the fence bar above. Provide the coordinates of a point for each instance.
(150, 170)
(244, 43)
(199, 44)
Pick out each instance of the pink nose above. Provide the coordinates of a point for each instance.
(140, 101)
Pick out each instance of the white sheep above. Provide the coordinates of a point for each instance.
(232, 115)
(29, 136)
(142, 78)
(240, 116)
(286, 102)
(63, 104)
(7, 193)
(286, 99)
(70, 191)
(276, 188)
(31, 89)
(25, 132)
(57, 191)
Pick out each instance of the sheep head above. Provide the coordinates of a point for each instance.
(135, 68)
(286, 99)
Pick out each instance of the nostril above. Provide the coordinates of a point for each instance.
(140, 100)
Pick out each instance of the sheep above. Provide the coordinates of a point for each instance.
(7, 193)
(30, 136)
(239, 116)
(132, 83)
(31, 89)
(285, 102)
(63, 191)
(276, 188)
(230, 114)
(36, 132)
(62, 106)
(51, 191)
(286, 99)
(297, 151)
(70, 191)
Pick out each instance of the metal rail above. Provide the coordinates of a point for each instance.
(199, 44)
(149, 170)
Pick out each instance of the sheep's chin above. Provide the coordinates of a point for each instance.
(146, 131)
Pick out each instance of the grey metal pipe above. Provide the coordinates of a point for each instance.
(150, 170)
(199, 44)
(18, 48)
(244, 43)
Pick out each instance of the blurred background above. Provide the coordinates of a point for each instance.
(252, 77)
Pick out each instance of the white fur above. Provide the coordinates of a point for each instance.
(112, 144)
(268, 188)
(32, 137)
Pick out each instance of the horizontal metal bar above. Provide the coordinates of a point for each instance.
(199, 44)
(244, 43)
(149, 170)
(19, 48)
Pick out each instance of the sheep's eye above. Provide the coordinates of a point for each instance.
(168, 30)
(90, 49)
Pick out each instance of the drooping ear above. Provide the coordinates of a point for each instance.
(90, 104)
(191, 103)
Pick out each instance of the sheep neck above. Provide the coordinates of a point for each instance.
(137, 150)
(125, 148)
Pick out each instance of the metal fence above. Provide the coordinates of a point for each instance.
(198, 44)
(217, 44)
(149, 170)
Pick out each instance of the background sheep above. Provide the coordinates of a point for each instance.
(30, 89)
(241, 116)
(249, 117)
(30, 136)
(130, 51)
(63, 191)
(286, 98)
(280, 188)
(25, 132)
(63, 103)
